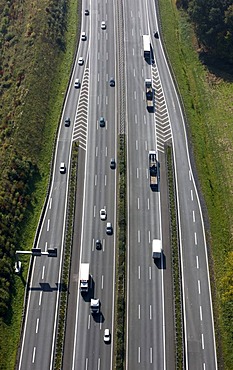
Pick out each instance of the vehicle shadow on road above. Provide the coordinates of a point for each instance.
(161, 262)
(98, 318)
(87, 296)
(45, 287)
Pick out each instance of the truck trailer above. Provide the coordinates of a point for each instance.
(146, 46)
(153, 169)
(84, 277)
(156, 248)
(149, 95)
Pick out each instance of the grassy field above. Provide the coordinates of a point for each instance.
(207, 93)
(36, 109)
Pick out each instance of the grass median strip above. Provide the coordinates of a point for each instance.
(175, 263)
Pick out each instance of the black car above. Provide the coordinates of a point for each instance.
(86, 12)
(102, 122)
(112, 163)
(112, 82)
(67, 121)
(98, 244)
(156, 35)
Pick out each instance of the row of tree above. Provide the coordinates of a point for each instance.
(15, 198)
(28, 57)
(213, 20)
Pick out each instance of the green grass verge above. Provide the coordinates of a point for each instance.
(207, 98)
(10, 329)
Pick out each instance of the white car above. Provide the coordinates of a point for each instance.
(62, 167)
(83, 36)
(107, 336)
(77, 83)
(103, 25)
(103, 214)
(80, 61)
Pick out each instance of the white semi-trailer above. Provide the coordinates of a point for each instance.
(84, 277)
(146, 46)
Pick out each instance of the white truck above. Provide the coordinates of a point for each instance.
(157, 248)
(95, 306)
(149, 95)
(84, 277)
(146, 46)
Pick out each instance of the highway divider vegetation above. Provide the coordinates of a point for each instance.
(36, 55)
(176, 273)
(120, 302)
(207, 93)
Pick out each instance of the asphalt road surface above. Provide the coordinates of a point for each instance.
(150, 331)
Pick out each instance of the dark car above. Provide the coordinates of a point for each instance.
(109, 229)
(112, 163)
(102, 122)
(156, 35)
(112, 82)
(86, 12)
(98, 244)
(67, 121)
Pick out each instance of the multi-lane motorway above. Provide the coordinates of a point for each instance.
(150, 324)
